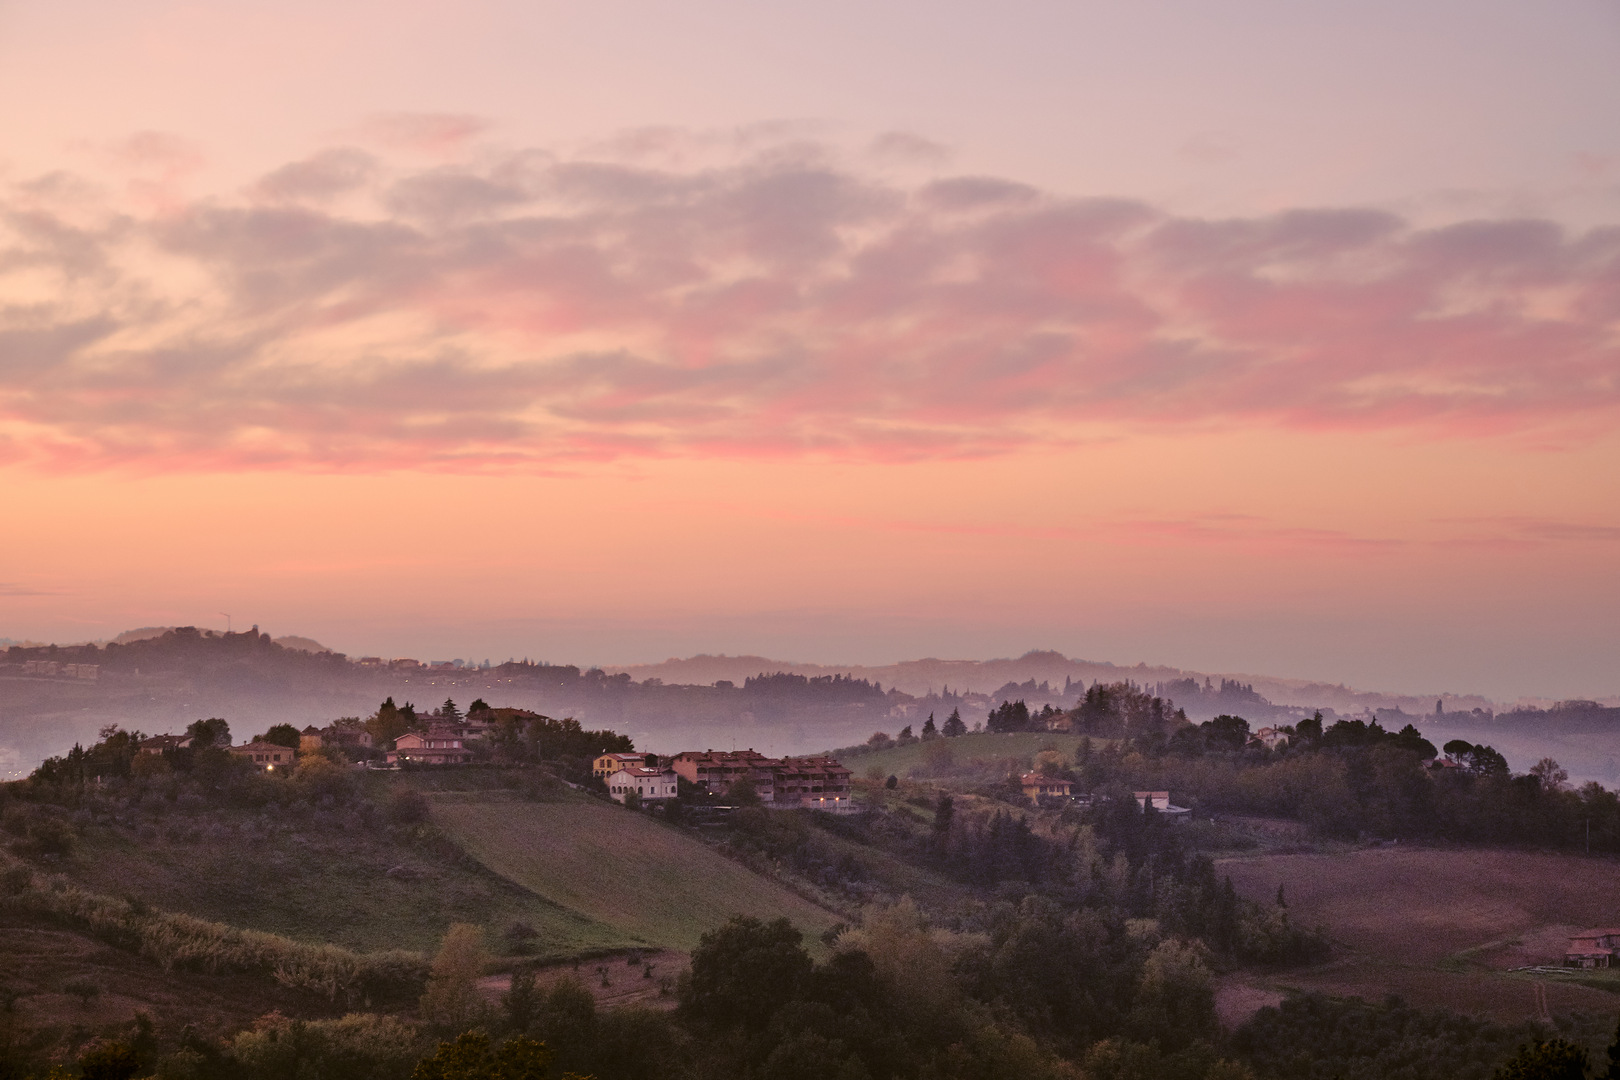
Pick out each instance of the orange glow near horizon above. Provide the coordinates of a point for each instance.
(1086, 549)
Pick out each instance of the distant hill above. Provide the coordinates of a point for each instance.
(146, 633)
(142, 633)
(302, 644)
(932, 675)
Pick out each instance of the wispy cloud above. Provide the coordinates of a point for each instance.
(11, 588)
(349, 312)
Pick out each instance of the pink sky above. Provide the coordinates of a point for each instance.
(1282, 342)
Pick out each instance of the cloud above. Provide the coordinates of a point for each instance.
(324, 176)
(11, 588)
(533, 309)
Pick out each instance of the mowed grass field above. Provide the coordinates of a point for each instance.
(1441, 927)
(648, 883)
(1017, 746)
(329, 886)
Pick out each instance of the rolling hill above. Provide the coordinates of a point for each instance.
(648, 883)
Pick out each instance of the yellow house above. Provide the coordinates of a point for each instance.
(1035, 786)
(607, 764)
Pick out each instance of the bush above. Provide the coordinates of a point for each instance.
(360, 1046)
(407, 806)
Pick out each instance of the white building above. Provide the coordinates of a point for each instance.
(650, 784)
(1160, 801)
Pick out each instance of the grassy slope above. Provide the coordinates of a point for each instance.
(325, 885)
(1441, 927)
(982, 746)
(652, 884)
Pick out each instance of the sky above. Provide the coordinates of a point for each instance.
(1253, 337)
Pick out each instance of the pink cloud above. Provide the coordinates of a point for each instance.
(433, 134)
(533, 310)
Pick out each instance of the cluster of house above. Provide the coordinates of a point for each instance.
(56, 670)
(1038, 786)
(269, 756)
(1593, 949)
(788, 783)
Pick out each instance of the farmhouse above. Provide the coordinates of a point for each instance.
(606, 765)
(649, 785)
(437, 747)
(159, 743)
(1160, 801)
(1269, 737)
(1593, 949)
(1036, 786)
(265, 756)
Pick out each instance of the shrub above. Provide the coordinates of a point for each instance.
(360, 1046)
(407, 806)
(109, 1061)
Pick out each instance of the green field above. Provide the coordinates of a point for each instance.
(648, 883)
(326, 885)
(1016, 748)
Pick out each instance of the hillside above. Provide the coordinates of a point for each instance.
(1012, 749)
(340, 876)
(650, 884)
(1440, 927)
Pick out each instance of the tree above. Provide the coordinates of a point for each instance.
(110, 1061)
(1557, 1059)
(929, 731)
(566, 1019)
(743, 972)
(1009, 716)
(1486, 761)
(451, 999)
(742, 792)
(1458, 749)
(1549, 774)
(449, 711)
(1309, 731)
(521, 1001)
(389, 723)
(1228, 732)
(210, 733)
(905, 736)
(1613, 1071)
(282, 735)
(954, 725)
(479, 705)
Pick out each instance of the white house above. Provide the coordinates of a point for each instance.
(1160, 801)
(650, 784)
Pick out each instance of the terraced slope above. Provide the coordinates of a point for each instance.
(652, 884)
